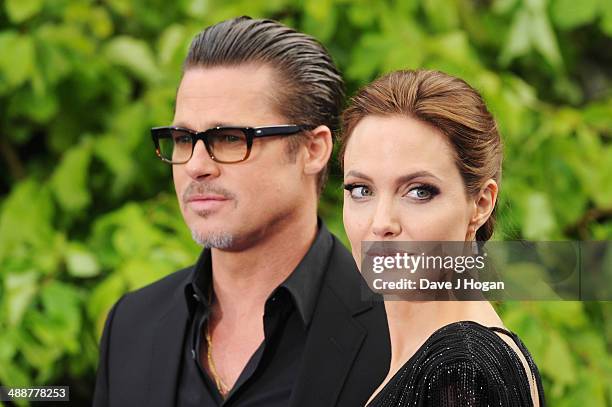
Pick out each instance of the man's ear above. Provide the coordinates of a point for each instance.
(319, 148)
(484, 202)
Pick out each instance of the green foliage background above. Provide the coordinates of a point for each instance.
(87, 212)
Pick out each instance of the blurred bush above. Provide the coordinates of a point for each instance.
(87, 212)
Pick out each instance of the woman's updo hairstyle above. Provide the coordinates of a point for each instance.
(446, 102)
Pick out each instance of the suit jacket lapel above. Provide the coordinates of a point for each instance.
(331, 348)
(167, 353)
(335, 335)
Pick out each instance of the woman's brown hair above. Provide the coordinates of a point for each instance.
(446, 102)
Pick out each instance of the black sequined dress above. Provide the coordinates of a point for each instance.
(463, 364)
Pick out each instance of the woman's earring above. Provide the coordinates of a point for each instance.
(474, 247)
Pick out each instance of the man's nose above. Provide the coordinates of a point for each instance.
(201, 165)
(386, 223)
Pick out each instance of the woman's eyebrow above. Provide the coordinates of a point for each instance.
(358, 174)
(401, 180)
(409, 177)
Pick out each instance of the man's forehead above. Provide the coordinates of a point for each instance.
(225, 95)
(203, 81)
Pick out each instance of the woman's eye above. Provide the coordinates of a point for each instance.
(423, 193)
(358, 191)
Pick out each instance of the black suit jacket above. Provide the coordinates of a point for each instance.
(346, 354)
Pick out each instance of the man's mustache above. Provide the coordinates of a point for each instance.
(200, 188)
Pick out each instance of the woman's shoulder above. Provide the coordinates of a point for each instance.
(475, 345)
(465, 362)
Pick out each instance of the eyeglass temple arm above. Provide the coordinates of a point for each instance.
(276, 130)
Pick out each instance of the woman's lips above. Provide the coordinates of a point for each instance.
(388, 253)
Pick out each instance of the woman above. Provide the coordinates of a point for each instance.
(422, 157)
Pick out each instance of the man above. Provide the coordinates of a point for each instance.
(272, 313)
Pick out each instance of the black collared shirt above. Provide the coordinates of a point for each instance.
(270, 374)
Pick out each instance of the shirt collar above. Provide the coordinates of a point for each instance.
(303, 283)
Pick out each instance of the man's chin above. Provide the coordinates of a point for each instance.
(213, 239)
(203, 213)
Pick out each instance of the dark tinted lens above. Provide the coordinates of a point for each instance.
(228, 145)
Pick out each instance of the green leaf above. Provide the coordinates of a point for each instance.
(365, 55)
(25, 221)
(20, 65)
(54, 64)
(134, 55)
(557, 362)
(101, 22)
(61, 301)
(8, 345)
(569, 14)
(13, 374)
(599, 114)
(544, 39)
(60, 321)
(569, 314)
(21, 10)
(600, 183)
(130, 127)
(531, 29)
(124, 8)
(361, 14)
(80, 262)
(539, 222)
(455, 47)
(518, 41)
(69, 180)
(196, 8)
(42, 356)
(320, 19)
(20, 289)
(442, 14)
(171, 44)
(140, 272)
(503, 6)
(606, 26)
(41, 107)
(118, 159)
(102, 298)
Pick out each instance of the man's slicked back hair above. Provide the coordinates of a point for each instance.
(309, 88)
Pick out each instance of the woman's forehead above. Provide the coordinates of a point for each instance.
(397, 144)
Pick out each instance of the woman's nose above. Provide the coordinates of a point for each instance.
(386, 224)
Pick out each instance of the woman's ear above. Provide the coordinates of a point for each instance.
(319, 148)
(484, 202)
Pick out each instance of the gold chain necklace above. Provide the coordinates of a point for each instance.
(221, 386)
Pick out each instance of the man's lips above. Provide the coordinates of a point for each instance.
(206, 197)
(206, 202)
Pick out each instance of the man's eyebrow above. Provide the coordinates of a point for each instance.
(187, 126)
